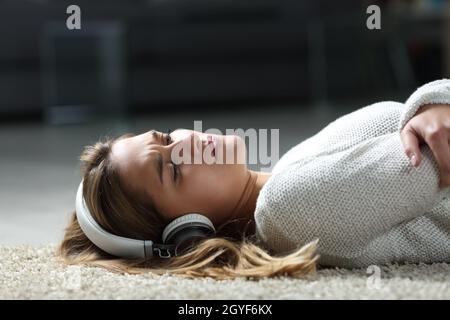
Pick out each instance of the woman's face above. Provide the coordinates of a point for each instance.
(209, 179)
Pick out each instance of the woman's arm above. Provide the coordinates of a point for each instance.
(426, 119)
(347, 198)
(346, 131)
(430, 125)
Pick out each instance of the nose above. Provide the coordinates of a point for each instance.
(191, 143)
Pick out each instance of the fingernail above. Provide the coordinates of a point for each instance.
(414, 160)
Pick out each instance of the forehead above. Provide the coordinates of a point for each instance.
(137, 145)
(134, 158)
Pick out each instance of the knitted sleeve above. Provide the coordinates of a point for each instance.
(348, 198)
(346, 131)
(434, 92)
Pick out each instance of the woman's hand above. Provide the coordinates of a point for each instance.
(431, 125)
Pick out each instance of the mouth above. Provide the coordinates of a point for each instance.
(212, 140)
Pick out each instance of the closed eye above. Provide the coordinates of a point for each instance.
(174, 171)
(175, 168)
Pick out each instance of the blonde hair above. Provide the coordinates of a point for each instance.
(225, 256)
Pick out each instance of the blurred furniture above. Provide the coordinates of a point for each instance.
(83, 72)
(348, 61)
(197, 52)
(424, 27)
(179, 53)
(447, 40)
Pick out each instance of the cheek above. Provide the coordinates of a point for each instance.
(215, 184)
(232, 150)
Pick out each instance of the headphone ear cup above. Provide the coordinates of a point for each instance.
(188, 240)
(186, 230)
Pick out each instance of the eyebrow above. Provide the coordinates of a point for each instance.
(158, 161)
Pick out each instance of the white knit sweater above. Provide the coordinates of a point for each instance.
(352, 186)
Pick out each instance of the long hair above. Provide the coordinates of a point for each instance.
(227, 255)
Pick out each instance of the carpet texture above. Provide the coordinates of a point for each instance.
(28, 272)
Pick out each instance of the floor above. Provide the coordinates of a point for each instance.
(39, 170)
(32, 272)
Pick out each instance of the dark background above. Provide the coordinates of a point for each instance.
(202, 53)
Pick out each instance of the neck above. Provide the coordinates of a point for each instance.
(245, 208)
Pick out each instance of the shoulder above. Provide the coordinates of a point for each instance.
(275, 212)
(282, 197)
(284, 215)
(280, 187)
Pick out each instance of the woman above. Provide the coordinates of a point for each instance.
(351, 186)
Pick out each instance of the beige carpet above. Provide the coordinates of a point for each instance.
(33, 273)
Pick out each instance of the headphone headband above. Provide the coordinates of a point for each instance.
(179, 230)
(110, 243)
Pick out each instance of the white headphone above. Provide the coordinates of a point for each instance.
(176, 234)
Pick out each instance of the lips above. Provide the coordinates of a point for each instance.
(211, 140)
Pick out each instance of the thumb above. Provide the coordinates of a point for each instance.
(411, 145)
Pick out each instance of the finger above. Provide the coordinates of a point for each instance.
(444, 183)
(437, 140)
(411, 145)
(445, 180)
